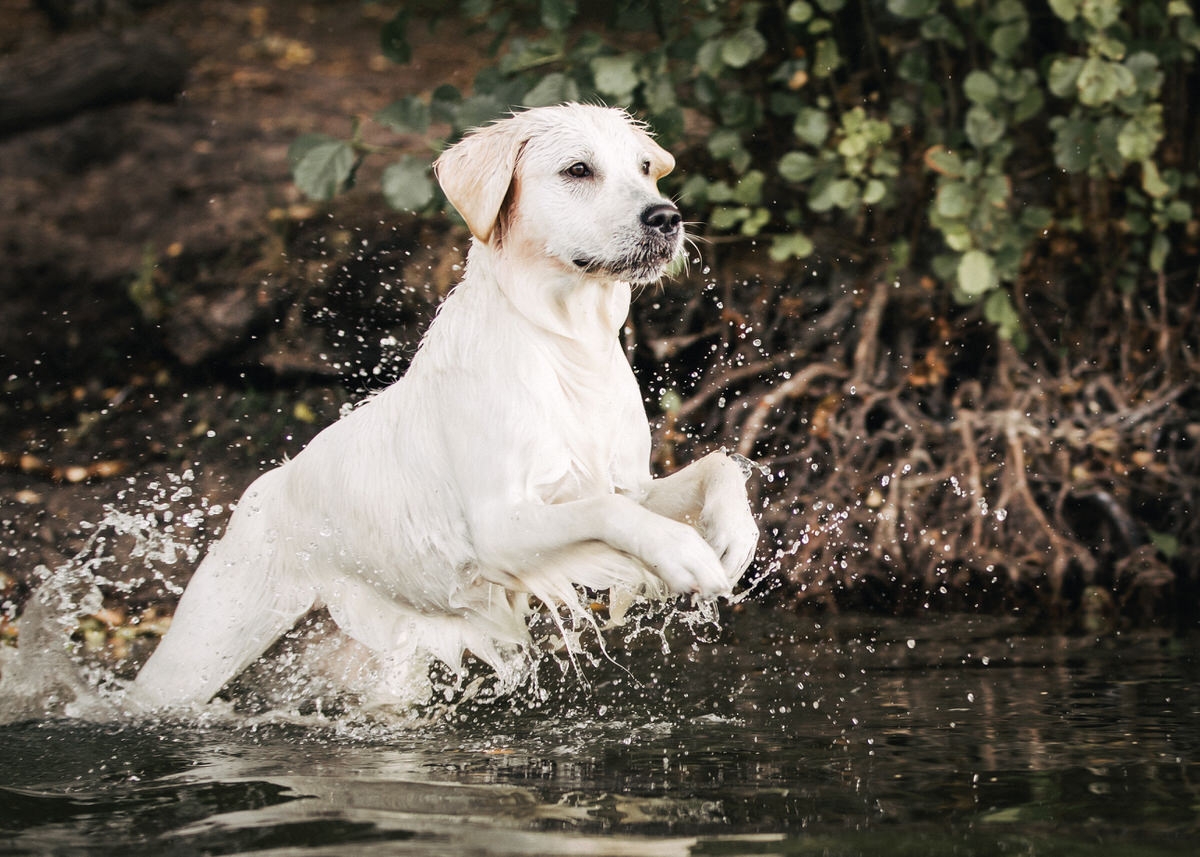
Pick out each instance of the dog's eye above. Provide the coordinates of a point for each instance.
(645, 168)
(579, 170)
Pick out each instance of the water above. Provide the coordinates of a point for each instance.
(784, 736)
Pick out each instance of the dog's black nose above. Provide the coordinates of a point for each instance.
(664, 217)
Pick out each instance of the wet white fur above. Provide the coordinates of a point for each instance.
(512, 459)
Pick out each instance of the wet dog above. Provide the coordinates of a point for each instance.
(513, 458)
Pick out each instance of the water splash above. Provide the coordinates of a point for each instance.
(315, 672)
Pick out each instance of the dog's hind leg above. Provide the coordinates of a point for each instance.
(240, 600)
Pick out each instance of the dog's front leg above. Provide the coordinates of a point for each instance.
(511, 538)
(710, 494)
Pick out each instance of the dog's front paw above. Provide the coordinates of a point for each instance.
(686, 562)
(726, 521)
(733, 535)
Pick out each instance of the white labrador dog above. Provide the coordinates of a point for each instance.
(511, 460)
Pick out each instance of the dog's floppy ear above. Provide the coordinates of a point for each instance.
(661, 161)
(476, 173)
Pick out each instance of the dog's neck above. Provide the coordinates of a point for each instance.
(586, 309)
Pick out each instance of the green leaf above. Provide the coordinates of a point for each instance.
(976, 273)
(1102, 81)
(303, 144)
(724, 218)
(1140, 135)
(616, 76)
(324, 167)
(724, 143)
(557, 14)
(409, 115)
(955, 200)
(407, 184)
(443, 104)
(944, 162)
(980, 87)
(1146, 71)
(743, 47)
(1064, 76)
(1152, 182)
(1074, 143)
(799, 12)
(939, 28)
(1164, 543)
(708, 59)
(797, 245)
(1066, 10)
(552, 89)
(828, 59)
(811, 126)
(911, 8)
(797, 166)
(1101, 14)
(393, 39)
(748, 190)
(874, 192)
(998, 309)
(983, 127)
(1006, 40)
(753, 224)
(1160, 248)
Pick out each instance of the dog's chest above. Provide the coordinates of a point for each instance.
(585, 433)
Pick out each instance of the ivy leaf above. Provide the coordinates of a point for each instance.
(407, 184)
(743, 47)
(1066, 10)
(944, 162)
(409, 115)
(1160, 248)
(980, 87)
(616, 76)
(1102, 81)
(1074, 143)
(393, 39)
(554, 88)
(954, 200)
(1064, 76)
(828, 58)
(797, 166)
(998, 309)
(1152, 181)
(797, 245)
(1006, 40)
(811, 126)
(976, 274)
(557, 14)
(321, 168)
(1140, 136)
(911, 8)
(748, 190)
(874, 192)
(799, 12)
(983, 127)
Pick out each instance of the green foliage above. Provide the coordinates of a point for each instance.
(937, 119)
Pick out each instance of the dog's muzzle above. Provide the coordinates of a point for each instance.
(660, 238)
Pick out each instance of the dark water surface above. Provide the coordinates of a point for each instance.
(952, 736)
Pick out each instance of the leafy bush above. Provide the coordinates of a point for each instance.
(947, 136)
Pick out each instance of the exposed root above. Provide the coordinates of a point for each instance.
(915, 459)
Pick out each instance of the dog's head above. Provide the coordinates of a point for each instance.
(573, 186)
